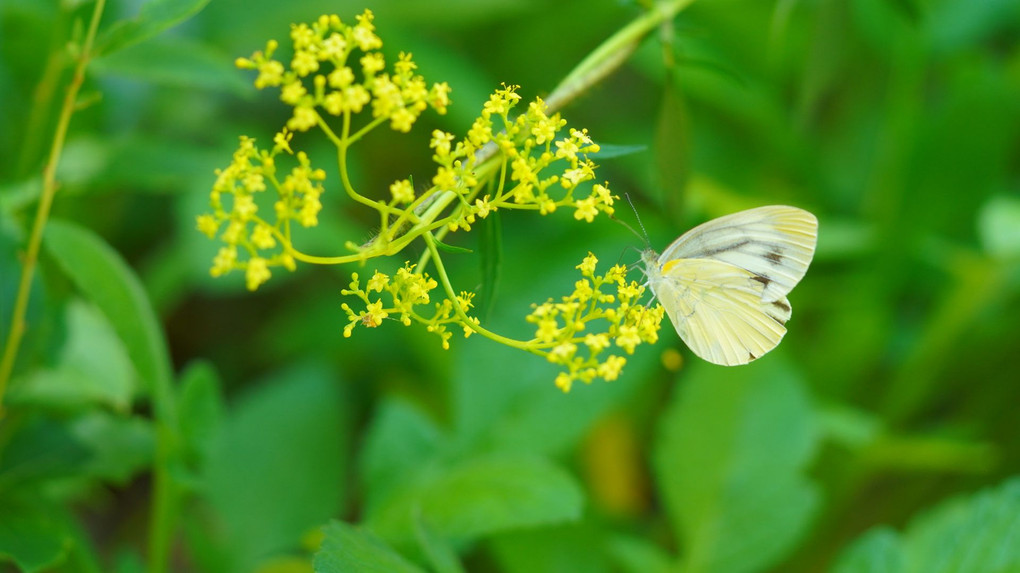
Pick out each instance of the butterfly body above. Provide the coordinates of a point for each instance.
(724, 283)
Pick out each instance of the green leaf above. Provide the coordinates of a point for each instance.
(977, 534)
(30, 536)
(92, 368)
(120, 447)
(573, 547)
(176, 62)
(39, 450)
(672, 149)
(441, 556)
(200, 405)
(349, 548)
(480, 497)
(276, 465)
(490, 243)
(399, 443)
(611, 150)
(637, 555)
(877, 551)
(450, 248)
(999, 226)
(154, 17)
(729, 463)
(516, 407)
(103, 276)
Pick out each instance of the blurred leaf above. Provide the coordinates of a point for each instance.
(40, 449)
(440, 554)
(636, 555)
(349, 548)
(672, 148)
(849, 427)
(490, 245)
(976, 533)
(200, 406)
(908, 8)
(276, 466)
(482, 496)
(92, 367)
(999, 226)
(729, 462)
(154, 17)
(400, 441)
(516, 407)
(31, 537)
(450, 248)
(103, 276)
(611, 150)
(175, 61)
(877, 551)
(575, 547)
(120, 447)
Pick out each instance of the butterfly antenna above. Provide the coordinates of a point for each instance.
(644, 235)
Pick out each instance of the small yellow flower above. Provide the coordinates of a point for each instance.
(262, 236)
(224, 261)
(439, 97)
(628, 338)
(256, 273)
(374, 314)
(484, 207)
(562, 353)
(596, 342)
(372, 64)
(378, 282)
(564, 381)
(364, 35)
(547, 331)
(441, 142)
(587, 267)
(208, 225)
(402, 191)
(611, 368)
(583, 290)
(586, 210)
(304, 118)
(281, 141)
(245, 207)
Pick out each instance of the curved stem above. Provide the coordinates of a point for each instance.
(445, 280)
(612, 53)
(49, 189)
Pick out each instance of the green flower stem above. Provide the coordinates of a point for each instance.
(445, 280)
(49, 189)
(612, 53)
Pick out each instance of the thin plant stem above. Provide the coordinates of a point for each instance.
(49, 189)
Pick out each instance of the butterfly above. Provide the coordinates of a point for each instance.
(724, 283)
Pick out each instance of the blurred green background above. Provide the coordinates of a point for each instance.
(897, 122)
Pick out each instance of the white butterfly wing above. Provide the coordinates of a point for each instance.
(773, 243)
(718, 309)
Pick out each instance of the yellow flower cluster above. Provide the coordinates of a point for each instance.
(253, 243)
(564, 327)
(405, 290)
(326, 74)
(527, 145)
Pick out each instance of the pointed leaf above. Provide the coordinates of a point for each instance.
(276, 465)
(103, 276)
(730, 461)
(349, 548)
(490, 243)
(978, 534)
(154, 17)
(483, 496)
